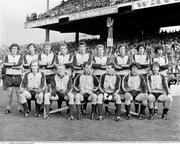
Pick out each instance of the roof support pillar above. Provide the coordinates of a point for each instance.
(47, 30)
(110, 22)
(47, 35)
(77, 38)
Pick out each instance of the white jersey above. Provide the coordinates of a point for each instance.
(17, 60)
(44, 58)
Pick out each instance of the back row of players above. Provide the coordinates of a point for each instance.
(82, 77)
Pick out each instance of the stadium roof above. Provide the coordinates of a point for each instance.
(138, 13)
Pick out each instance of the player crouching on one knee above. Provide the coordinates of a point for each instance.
(109, 87)
(61, 86)
(158, 90)
(135, 87)
(32, 87)
(86, 85)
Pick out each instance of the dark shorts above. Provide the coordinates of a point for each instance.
(134, 93)
(49, 78)
(86, 97)
(13, 80)
(33, 94)
(60, 95)
(156, 95)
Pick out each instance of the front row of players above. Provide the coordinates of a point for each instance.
(88, 88)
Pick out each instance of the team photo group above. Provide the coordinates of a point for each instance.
(128, 80)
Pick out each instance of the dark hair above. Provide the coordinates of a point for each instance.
(32, 64)
(157, 47)
(140, 45)
(134, 65)
(121, 45)
(47, 44)
(155, 64)
(111, 64)
(83, 43)
(31, 44)
(99, 45)
(14, 45)
(86, 63)
(63, 44)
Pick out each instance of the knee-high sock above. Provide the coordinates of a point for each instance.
(38, 106)
(151, 110)
(142, 110)
(128, 108)
(67, 104)
(136, 107)
(47, 107)
(118, 109)
(29, 104)
(59, 103)
(106, 107)
(100, 109)
(71, 109)
(93, 108)
(165, 111)
(25, 107)
(78, 107)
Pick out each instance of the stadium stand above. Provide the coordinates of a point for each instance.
(71, 6)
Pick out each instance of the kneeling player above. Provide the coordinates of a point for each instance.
(109, 87)
(156, 86)
(86, 85)
(32, 88)
(135, 87)
(61, 86)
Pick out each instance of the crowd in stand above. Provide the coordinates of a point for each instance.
(71, 6)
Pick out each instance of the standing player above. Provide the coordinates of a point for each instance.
(122, 61)
(135, 87)
(86, 85)
(161, 59)
(99, 62)
(64, 58)
(80, 58)
(61, 86)
(32, 87)
(158, 90)
(142, 59)
(30, 57)
(109, 87)
(13, 65)
(46, 63)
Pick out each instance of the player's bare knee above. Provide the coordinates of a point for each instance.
(151, 98)
(117, 98)
(128, 97)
